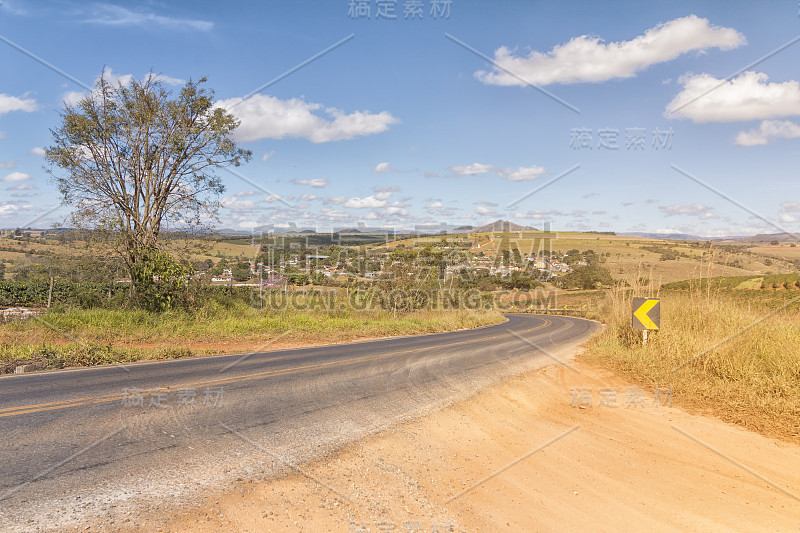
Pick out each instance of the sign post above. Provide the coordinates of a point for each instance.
(646, 316)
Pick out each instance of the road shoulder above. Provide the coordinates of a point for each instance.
(533, 453)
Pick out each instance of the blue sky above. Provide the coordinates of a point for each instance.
(669, 116)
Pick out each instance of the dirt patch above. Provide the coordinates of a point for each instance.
(552, 450)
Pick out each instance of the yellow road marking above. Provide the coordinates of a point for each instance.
(90, 400)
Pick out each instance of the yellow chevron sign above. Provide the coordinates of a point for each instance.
(646, 313)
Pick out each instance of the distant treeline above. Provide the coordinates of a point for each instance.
(90, 294)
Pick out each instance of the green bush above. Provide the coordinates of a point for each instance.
(588, 277)
(34, 294)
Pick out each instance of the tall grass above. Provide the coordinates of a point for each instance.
(739, 360)
(91, 336)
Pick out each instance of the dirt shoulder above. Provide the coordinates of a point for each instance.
(521, 456)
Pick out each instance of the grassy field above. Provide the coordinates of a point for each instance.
(630, 258)
(97, 336)
(627, 258)
(735, 358)
(785, 251)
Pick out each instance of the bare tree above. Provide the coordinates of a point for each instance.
(133, 157)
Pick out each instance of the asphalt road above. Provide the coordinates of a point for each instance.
(114, 443)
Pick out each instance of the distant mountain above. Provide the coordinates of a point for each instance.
(665, 236)
(768, 237)
(761, 237)
(501, 225)
(496, 226)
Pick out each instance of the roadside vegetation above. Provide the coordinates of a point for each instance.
(731, 353)
(79, 337)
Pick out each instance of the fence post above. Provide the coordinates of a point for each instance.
(50, 293)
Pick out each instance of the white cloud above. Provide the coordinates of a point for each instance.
(11, 209)
(540, 214)
(748, 96)
(382, 167)
(387, 188)
(436, 207)
(695, 210)
(13, 103)
(335, 214)
(125, 79)
(267, 117)
(787, 216)
(112, 15)
(308, 197)
(266, 156)
(368, 202)
(22, 187)
(769, 131)
(169, 80)
(2, 135)
(15, 176)
(235, 204)
(8, 209)
(315, 182)
(37, 150)
(395, 211)
(248, 225)
(8, 164)
(243, 194)
(13, 8)
(335, 200)
(589, 59)
(522, 173)
(483, 210)
(73, 97)
(473, 169)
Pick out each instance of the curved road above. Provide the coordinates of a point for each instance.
(114, 442)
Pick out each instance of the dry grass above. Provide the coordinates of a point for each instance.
(785, 250)
(738, 360)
